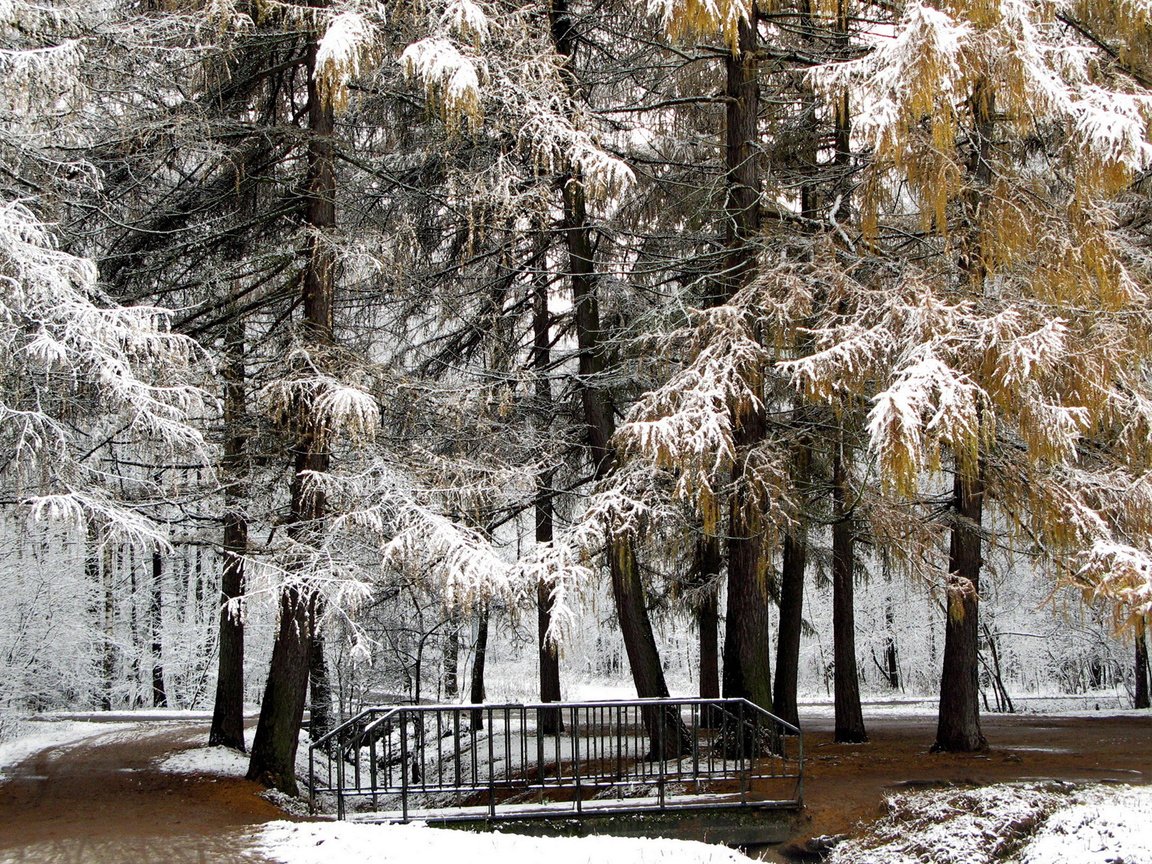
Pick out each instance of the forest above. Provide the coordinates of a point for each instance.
(357, 350)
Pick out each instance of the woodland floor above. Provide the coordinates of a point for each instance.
(845, 784)
(105, 800)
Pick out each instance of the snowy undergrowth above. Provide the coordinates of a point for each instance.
(1049, 823)
(335, 843)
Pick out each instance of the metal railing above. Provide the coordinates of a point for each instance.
(404, 762)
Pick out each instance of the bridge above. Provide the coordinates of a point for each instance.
(721, 769)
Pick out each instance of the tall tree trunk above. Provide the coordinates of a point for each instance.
(849, 726)
(549, 657)
(479, 656)
(627, 587)
(274, 748)
(747, 665)
(705, 580)
(795, 558)
(159, 694)
(1142, 681)
(793, 563)
(228, 710)
(958, 728)
(319, 681)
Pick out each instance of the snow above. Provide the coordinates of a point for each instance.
(221, 761)
(36, 736)
(1029, 823)
(1106, 826)
(334, 843)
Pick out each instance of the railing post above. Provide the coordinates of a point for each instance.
(576, 759)
(403, 767)
(340, 778)
(661, 721)
(312, 779)
(491, 772)
(372, 778)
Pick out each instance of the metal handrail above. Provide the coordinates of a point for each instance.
(437, 753)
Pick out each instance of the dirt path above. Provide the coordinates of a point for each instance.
(103, 800)
(847, 783)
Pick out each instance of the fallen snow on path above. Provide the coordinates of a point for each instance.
(1033, 823)
(345, 843)
(219, 761)
(35, 736)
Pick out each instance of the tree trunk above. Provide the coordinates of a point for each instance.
(319, 682)
(627, 588)
(794, 561)
(476, 697)
(451, 659)
(1142, 697)
(747, 667)
(228, 710)
(549, 657)
(274, 748)
(159, 694)
(891, 667)
(273, 760)
(958, 728)
(959, 725)
(747, 663)
(849, 716)
(705, 580)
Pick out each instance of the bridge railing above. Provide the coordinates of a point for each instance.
(404, 762)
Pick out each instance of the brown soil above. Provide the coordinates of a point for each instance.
(103, 800)
(845, 784)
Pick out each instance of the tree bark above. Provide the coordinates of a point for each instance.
(958, 727)
(747, 666)
(228, 710)
(549, 657)
(627, 587)
(159, 693)
(705, 581)
(476, 697)
(274, 747)
(793, 563)
(451, 659)
(319, 682)
(849, 726)
(1142, 682)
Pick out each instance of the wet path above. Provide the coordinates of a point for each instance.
(103, 800)
(847, 783)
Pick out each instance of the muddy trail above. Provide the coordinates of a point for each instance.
(104, 800)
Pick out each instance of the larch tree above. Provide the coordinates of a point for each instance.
(1009, 348)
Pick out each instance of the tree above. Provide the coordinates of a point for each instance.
(985, 356)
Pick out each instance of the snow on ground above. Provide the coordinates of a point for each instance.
(1027, 823)
(220, 761)
(1106, 825)
(337, 843)
(34, 736)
